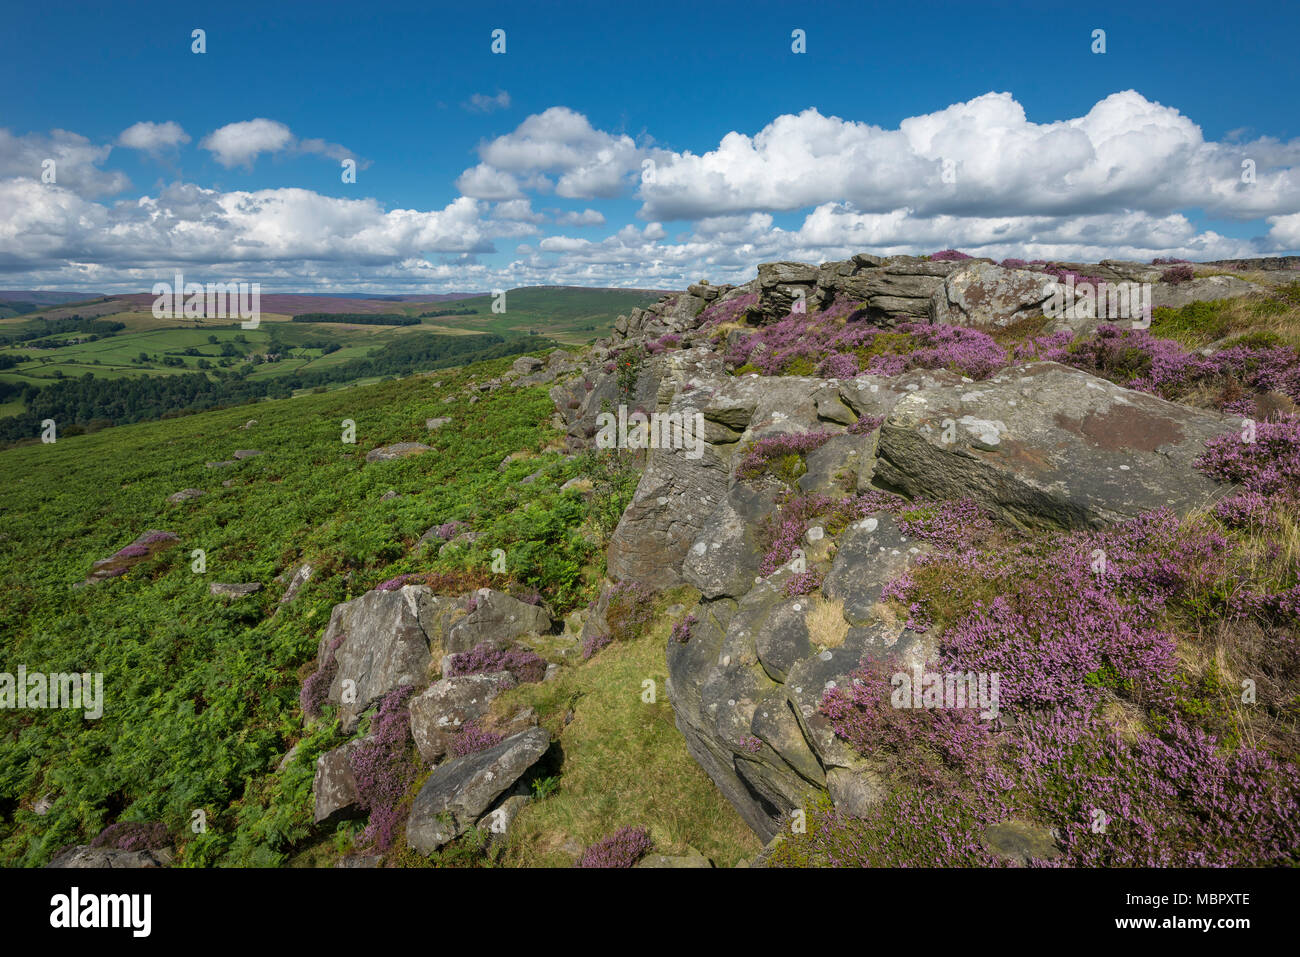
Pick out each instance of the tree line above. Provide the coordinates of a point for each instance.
(359, 318)
(84, 400)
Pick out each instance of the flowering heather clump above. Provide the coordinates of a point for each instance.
(393, 584)
(630, 610)
(1013, 264)
(132, 551)
(773, 447)
(1052, 348)
(471, 606)
(955, 525)
(486, 657)
(471, 739)
(133, 836)
(593, 643)
(866, 424)
(384, 769)
(1268, 466)
(1178, 274)
(1246, 510)
(861, 713)
(804, 583)
(838, 365)
(623, 848)
(968, 351)
(314, 690)
(682, 630)
(730, 311)
(948, 255)
(530, 597)
(751, 744)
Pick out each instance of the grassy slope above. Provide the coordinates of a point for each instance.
(624, 763)
(201, 694)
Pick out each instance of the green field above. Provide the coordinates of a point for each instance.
(150, 346)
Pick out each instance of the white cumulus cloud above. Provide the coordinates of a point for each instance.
(153, 137)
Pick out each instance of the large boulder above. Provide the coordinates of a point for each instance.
(897, 289)
(685, 510)
(981, 295)
(725, 558)
(384, 645)
(334, 787)
(1203, 289)
(459, 793)
(100, 858)
(144, 548)
(746, 686)
(441, 710)
(893, 290)
(1044, 445)
(400, 450)
(496, 617)
(784, 284)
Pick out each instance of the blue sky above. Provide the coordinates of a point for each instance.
(479, 171)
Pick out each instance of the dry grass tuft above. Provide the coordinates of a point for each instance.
(826, 625)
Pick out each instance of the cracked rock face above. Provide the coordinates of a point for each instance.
(747, 686)
(385, 647)
(1039, 444)
(1043, 445)
(687, 510)
(897, 289)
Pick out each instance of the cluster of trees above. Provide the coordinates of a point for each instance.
(449, 312)
(84, 399)
(359, 318)
(96, 327)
